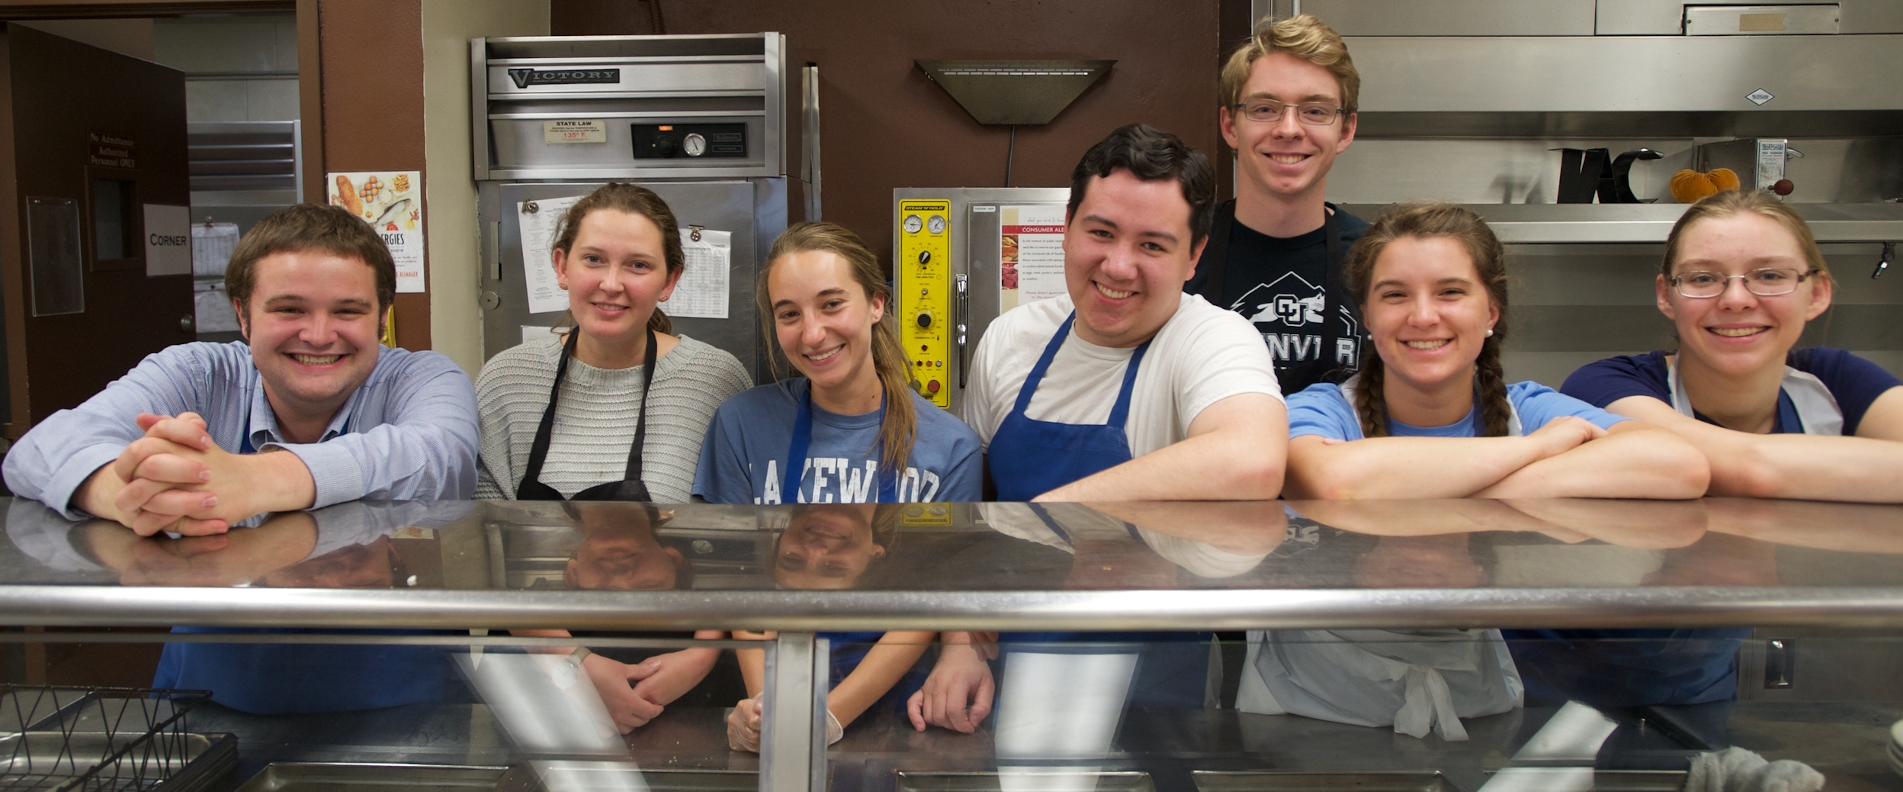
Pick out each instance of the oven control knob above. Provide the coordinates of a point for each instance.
(924, 320)
(665, 146)
(925, 257)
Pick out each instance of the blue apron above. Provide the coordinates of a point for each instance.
(794, 473)
(848, 648)
(1029, 458)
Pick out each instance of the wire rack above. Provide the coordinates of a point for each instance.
(73, 738)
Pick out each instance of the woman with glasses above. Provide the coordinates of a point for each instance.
(1742, 275)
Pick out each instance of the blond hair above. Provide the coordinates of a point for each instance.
(1302, 36)
(1731, 202)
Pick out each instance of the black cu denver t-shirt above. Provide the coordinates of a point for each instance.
(1277, 285)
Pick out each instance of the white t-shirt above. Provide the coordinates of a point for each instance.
(1202, 355)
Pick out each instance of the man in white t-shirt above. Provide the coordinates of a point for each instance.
(1126, 388)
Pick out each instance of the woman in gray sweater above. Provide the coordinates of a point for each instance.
(614, 410)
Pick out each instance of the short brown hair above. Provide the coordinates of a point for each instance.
(1730, 202)
(1150, 154)
(307, 226)
(1302, 36)
(632, 199)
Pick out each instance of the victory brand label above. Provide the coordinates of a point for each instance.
(526, 77)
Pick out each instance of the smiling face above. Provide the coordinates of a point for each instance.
(615, 273)
(1127, 254)
(1286, 159)
(826, 547)
(1737, 332)
(312, 323)
(823, 319)
(1428, 312)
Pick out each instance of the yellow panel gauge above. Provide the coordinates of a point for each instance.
(923, 273)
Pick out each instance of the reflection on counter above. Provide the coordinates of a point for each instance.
(1563, 708)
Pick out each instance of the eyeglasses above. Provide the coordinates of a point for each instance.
(1269, 111)
(1767, 282)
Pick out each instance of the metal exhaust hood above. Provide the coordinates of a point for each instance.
(1015, 92)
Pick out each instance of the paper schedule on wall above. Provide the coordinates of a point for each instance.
(702, 290)
(537, 221)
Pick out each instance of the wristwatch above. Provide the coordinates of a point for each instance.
(576, 657)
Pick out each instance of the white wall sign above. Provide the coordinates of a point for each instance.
(168, 240)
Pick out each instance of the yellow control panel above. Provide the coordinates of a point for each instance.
(924, 283)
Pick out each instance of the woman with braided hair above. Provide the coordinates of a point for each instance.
(1438, 416)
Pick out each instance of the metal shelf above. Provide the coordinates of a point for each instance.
(1591, 223)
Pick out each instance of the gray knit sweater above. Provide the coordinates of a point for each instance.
(595, 420)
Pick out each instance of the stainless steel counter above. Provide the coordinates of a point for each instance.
(986, 567)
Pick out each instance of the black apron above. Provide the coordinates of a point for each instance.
(1216, 255)
(630, 487)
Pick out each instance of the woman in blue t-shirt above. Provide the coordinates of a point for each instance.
(1432, 413)
(851, 431)
(1742, 275)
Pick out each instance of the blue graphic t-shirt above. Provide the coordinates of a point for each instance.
(1323, 410)
(746, 446)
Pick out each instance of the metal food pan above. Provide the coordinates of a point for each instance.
(52, 760)
(1292, 781)
(347, 777)
(1601, 780)
(1043, 780)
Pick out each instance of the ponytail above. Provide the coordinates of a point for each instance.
(899, 429)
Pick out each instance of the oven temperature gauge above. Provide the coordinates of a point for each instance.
(913, 224)
(937, 224)
(694, 144)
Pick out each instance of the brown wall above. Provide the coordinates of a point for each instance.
(373, 109)
(885, 125)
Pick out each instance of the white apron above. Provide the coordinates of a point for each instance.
(1414, 680)
(1816, 408)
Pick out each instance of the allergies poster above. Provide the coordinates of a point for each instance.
(392, 203)
(1031, 250)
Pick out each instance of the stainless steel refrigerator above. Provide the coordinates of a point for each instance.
(698, 119)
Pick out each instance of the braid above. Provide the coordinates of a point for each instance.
(1490, 390)
(1371, 403)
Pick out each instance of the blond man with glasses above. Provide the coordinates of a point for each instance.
(1275, 252)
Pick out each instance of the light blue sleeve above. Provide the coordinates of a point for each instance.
(1322, 410)
(60, 453)
(723, 473)
(964, 472)
(1539, 405)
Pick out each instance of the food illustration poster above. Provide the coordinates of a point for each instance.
(1031, 247)
(392, 203)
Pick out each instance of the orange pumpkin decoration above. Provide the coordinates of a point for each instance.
(1688, 186)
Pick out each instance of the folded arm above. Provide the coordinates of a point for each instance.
(1632, 460)
(1865, 468)
(1379, 468)
(1233, 450)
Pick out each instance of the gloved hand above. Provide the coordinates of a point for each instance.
(743, 725)
(1738, 770)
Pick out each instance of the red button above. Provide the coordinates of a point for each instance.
(932, 386)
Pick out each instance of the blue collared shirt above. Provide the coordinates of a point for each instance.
(408, 433)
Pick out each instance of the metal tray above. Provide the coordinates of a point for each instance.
(1602, 780)
(1293, 781)
(343, 777)
(1043, 780)
(54, 760)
